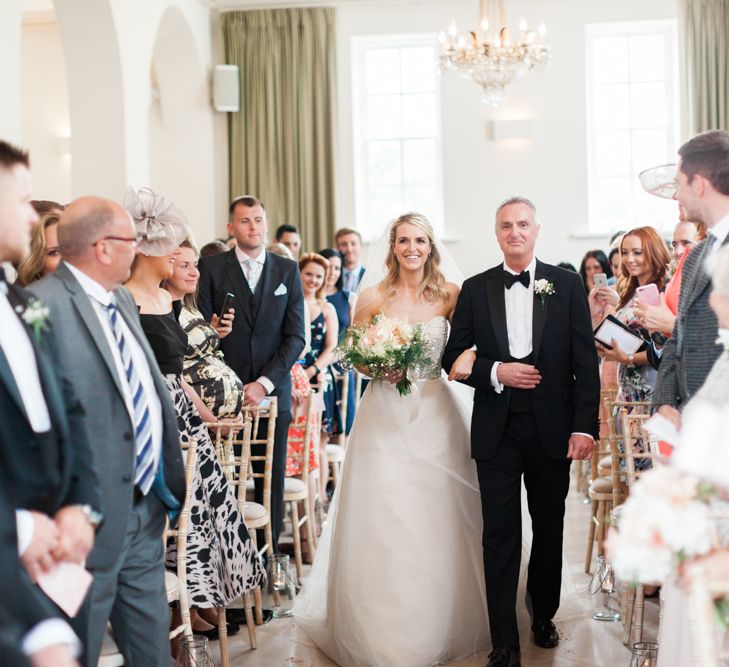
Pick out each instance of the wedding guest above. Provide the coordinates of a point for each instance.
(289, 236)
(44, 254)
(567, 266)
(47, 476)
(703, 191)
(222, 562)
(349, 243)
(213, 248)
(324, 338)
(614, 259)
(594, 261)
(280, 249)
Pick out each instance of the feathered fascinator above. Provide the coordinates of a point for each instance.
(161, 226)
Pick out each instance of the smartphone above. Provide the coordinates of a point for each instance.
(648, 294)
(600, 280)
(227, 303)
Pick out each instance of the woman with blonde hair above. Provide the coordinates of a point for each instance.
(44, 254)
(397, 577)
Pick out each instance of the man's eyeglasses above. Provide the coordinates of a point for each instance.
(134, 240)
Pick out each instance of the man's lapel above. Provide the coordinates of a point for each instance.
(240, 285)
(702, 278)
(497, 308)
(539, 310)
(6, 377)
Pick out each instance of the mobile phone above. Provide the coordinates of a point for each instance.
(648, 294)
(227, 301)
(600, 280)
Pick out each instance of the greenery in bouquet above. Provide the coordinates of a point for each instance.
(385, 347)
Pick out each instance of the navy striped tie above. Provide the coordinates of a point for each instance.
(144, 452)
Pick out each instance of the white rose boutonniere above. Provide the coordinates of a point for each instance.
(543, 288)
(35, 315)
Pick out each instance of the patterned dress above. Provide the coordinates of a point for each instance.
(297, 428)
(329, 391)
(340, 301)
(222, 562)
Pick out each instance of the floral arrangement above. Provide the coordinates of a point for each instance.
(384, 347)
(544, 288)
(35, 315)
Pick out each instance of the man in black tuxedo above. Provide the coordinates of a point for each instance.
(47, 477)
(268, 331)
(535, 409)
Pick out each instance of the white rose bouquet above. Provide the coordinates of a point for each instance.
(385, 347)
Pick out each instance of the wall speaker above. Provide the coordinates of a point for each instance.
(226, 88)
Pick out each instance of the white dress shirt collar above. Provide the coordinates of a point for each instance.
(245, 257)
(90, 286)
(531, 268)
(355, 269)
(720, 230)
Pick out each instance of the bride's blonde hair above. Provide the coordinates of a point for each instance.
(433, 286)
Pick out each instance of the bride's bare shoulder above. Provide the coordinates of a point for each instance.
(369, 302)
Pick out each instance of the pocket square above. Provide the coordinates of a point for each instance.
(280, 290)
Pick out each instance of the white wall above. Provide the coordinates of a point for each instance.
(479, 173)
(10, 13)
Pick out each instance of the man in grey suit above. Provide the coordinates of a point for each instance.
(703, 191)
(130, 421)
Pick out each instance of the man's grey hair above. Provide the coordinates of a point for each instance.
(77, 235)
(717, 267)
(517, 199)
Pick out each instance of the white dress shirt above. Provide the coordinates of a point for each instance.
(252, 268)
(350, 279)
(719, 231)
(100, 298)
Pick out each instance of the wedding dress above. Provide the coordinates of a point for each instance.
(398, 580)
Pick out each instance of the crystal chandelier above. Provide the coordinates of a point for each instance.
(489, 55)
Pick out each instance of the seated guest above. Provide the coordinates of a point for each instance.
(213, 248)
(594, 261)
(614, 259)
(44, 254)
(349, 243)
(222, 562)
(288, 235)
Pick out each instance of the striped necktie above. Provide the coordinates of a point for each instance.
(144, 451)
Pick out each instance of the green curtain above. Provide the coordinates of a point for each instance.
(705, 26)
(281, 141)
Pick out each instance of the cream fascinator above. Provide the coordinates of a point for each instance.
(161, 226)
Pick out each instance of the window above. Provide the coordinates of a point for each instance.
(632, 120)
(397, 137)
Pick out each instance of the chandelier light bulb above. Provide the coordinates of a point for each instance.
(442, 37)
(523, 24)
(497, 41)
(452, 30)
(542, 30)
(485, 25)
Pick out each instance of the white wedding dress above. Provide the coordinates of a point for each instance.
(398, 580)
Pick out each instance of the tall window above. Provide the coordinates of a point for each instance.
(632, 120)
(397, 136)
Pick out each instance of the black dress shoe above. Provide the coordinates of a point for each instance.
(504, 657)
(545, 634)
(239, 615)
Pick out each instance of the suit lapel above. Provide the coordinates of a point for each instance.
(240, 285)
(702, 279)
(497, 309)
(7, 378)
(539, 312)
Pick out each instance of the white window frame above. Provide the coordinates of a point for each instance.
(369, 227)
(668, 28)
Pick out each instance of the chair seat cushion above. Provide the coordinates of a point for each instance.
(335, 453)
(602, 485)
(254, 512)
(294, 488)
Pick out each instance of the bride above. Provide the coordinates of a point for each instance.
(398, 575)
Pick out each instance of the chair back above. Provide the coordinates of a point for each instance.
(307, 439)
(256, 413)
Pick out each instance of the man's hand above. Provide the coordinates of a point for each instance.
(462, 366)
(580, 447)
(76, 535)
(254, 393)
(670, 413)
(223, 325)
(38, 556)
(518, 375)
(56, 655)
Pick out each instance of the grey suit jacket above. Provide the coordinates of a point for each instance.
(83, 353)
(692, 350)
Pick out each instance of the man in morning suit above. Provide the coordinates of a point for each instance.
(535, 409)
(703, 191)
(47, 478)
(268, 330)
(131, 422)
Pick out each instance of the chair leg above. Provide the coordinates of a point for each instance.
(257, 599)
(628, 616)
(223, 636)
(249, 619)
(636, 626)
(297, 540)
(309, 519)
(591, 538)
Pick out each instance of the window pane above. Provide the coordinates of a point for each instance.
(421, 199)
(648, 104)
(612, 153)
(613, 202)
(384, 114)
(650, 147)
(384, 162)
(384, 204)
(646, 58)
(418, 115)
(612, 106)
(419, 161)
(418, 70)
(610, 59)
(383, 71)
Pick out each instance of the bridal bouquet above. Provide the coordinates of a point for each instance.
(385, 346)
(666, 519)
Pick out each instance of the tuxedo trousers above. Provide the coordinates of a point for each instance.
(278, 473)
(547, 483)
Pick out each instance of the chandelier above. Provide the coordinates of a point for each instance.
(490, 55)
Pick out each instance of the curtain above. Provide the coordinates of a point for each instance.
(705, 26)
(281, 142)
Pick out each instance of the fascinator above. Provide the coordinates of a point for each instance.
(160, 225)
(659, 181)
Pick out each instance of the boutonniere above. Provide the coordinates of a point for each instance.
(35, 314)
(723, 339)
(543, 288)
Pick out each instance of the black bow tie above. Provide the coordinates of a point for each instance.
(510, 279)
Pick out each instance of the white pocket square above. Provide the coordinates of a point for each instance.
(280, 290)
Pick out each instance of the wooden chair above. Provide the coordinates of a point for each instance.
(706, 644)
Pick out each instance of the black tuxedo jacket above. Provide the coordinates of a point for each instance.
(268, 331)
(567, 398)
(49, 471)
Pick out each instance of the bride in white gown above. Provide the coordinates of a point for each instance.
(398, 580)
